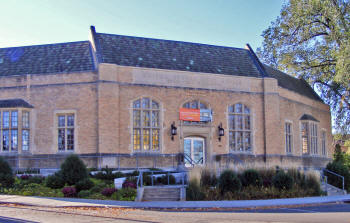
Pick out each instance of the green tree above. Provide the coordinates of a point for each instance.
(311, 40)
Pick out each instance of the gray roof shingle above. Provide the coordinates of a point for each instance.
(15, 103)
(174, 55)
(45, 59)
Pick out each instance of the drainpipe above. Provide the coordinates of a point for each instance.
(264, 74)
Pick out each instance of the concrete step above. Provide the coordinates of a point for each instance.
(161, 194)
(332, 190)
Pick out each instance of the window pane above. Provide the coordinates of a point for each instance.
(137, 118)
(155, 105)
(187, 105)
(155, 118)
(247, 142)
(14, 139)
(137, 139)
(247, 122)
(239, 141)
(239, 108)
(146, 119)
(25, 139)
(146, 139)
(70, 139)
(14, 119)
(202, 106)
(246, 110)
(61, 121)
(239, 119)
(145, 102)
(25, 119)
(5, 119)
(155, 139)
(5, 140)
(61, 139)
(232, 140)
(137, 104)
(231, 119)
(231, 109)
(305, 137)
(70, 120)
(194, 104)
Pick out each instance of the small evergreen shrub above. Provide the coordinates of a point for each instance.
(108, 191)
(193, 191)
(340, 169)
(125, 194)
(69, 192)
(5, 167)
(97, 188)
(6, 180)
(208, 179)
(55, 181)
(229, 182)
(73, 170)
(313, 185)
(251, 177)
(267, 176)
(283, 181)
(164, 179)
(85, 184)
(84, 193)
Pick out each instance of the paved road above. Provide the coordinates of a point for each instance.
(322, 213)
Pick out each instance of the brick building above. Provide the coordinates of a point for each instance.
(119, 100)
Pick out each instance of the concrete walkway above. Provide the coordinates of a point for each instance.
(68, 202)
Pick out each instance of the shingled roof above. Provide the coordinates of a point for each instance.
(174, 55)
(45, 59)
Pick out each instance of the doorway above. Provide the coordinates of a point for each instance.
(194, 151)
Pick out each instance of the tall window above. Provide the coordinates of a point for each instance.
(323, 139)
(314, 140)
(305, 137)
(146, 125)
(239, 128)
(25, 130)
(288, 137)
(66, 132)
(309, 134)
(9, 129)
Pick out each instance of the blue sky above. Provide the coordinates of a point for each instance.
(218, 22)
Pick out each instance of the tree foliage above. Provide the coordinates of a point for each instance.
(311, 40)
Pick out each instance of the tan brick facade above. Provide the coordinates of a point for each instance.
(101, 102)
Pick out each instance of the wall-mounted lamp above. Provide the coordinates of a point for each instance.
(173, 131)
(221, 131)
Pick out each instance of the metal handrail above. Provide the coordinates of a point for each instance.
(331, 172)
(140, 177)
(191, 161)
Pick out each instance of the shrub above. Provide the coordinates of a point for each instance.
(25, 177)
(228, 181)
(125, 194)
(69, 192)
(55, 181)
(84, 193)
(267, 176)
(340, 169)
(164, 179)
(208, 179)
(6, 180)
(99, 185)
(5, 167)
(251, 178)
(193, 191)
(283, 181)
(85, 184)
(108, 191)
(73, 170)
(313, 185)
(129, 184)
(108, 176)
(36, 179)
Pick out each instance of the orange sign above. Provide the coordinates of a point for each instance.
(187, 114)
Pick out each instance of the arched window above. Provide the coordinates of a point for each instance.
(240, 138)
(146, 125)
(195, 104)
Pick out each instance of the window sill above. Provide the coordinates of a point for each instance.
(65, 152)
(9, 153)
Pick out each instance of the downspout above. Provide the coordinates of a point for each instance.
(96, 60)
(263, 73)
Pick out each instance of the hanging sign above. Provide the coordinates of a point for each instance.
(195, 115)
(192, 115)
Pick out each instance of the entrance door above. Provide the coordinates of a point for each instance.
(194, 151)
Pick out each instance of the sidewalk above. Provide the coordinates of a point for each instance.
(71, 202)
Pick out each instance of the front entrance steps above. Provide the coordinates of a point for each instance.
(161, 193)
(332, 190)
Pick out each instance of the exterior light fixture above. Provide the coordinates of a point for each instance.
(221, 131)
(173, 131)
